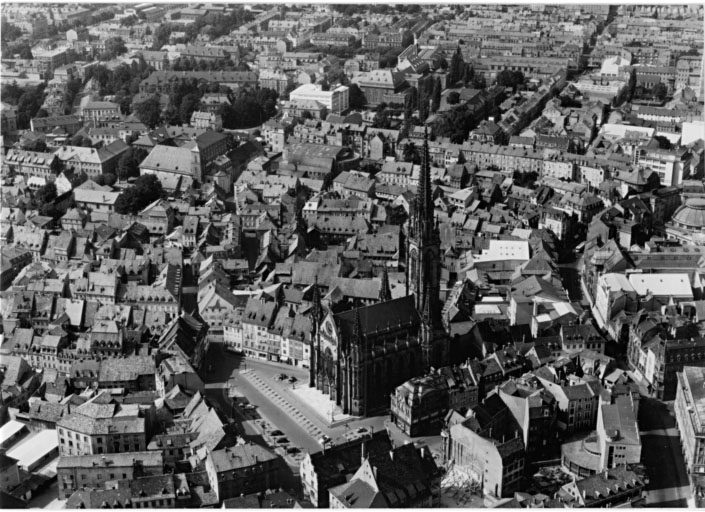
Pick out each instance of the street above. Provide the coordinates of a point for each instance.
(570, 276)
(662, 456)
(276, 402)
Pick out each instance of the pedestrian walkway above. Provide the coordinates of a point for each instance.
(286, 406)
(322, 405)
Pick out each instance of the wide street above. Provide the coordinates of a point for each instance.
(277, 403)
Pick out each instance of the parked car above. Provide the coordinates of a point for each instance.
(282, 440)
(277, 433)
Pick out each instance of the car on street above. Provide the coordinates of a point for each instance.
(282, 376)
(292, 450)
(361, 430)
(276, 433)
(293, 379)
(282, 440)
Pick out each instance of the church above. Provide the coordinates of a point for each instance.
(359, 356)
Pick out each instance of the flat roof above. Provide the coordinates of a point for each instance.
(34, 447)
(677, 285)
(9, 429)
(505, 250)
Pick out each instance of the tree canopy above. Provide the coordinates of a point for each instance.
(128, 165)
(135, 198)
(509, 78)
(148, 111)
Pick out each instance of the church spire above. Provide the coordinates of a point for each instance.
(427, 317)
(385, 292)
(424, 197)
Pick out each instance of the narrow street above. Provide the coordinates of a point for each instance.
(570, 275)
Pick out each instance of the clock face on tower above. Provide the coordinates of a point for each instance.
(328, 328)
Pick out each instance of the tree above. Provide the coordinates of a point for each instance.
(148, 111)
(660, 91)
(45, 194)
(189, 104)
(455, 70)
(357, 97)
(35, 145)
(9, 31)
(478, 82)
(509, 78)
(108, 179)
(78, 179)
(436, 95)
(468, 73)
(161, 36)
(128, 21)
(26, 53)
(453, 98)
(28, 105)
(77, 140)
(11, 93)
(73, 86)
(128, 165)
(411, 153)
(114, 46)
(145, 191)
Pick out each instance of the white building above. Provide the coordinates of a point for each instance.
(336, 100)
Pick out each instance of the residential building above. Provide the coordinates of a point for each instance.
(76, 472)
(488, 446)
(243, 469)
(100, 426)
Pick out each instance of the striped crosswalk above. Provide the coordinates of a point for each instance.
(283, 403)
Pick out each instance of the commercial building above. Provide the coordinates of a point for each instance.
(689, 408)
(335, 101)
(419, 405)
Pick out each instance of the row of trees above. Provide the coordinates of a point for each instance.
(133, 199)
(249, 108)
(216, 25)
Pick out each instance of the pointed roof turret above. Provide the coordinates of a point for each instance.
(317, 308)
(385, 293)
(357, 328)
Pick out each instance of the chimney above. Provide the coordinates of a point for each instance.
(374, 471)
(363, 452)
(391, 454)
